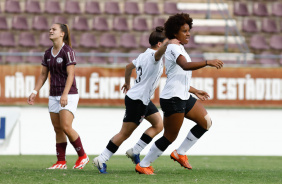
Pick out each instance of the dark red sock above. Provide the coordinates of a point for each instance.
(78, 147)
(61, 151)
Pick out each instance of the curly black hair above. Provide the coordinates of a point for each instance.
(174, 22)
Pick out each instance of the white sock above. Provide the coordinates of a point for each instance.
(105, 155)
(151, 156)
(139, 146)
(188, 142)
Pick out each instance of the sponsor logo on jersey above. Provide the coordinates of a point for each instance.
(59, 60)
(172, 53)
(48, 60)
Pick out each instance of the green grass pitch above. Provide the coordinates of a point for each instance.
(206, 169)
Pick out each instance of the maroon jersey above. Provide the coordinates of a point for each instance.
(57, 66)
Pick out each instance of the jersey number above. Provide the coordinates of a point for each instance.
(139, 73)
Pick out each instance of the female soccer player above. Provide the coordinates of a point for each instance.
(63, 99)
(149, 68)
(176, 100)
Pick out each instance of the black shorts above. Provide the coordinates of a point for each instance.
(176, 105)
(136, 111)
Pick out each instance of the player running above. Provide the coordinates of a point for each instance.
(149, 68)
(59, 60)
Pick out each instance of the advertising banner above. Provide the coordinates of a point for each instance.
(100, 86)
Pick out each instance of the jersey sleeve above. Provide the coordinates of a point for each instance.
(172, 53)
(44, 60)
(70, 57)
(134, 62)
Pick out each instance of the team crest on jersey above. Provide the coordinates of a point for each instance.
(59, 60)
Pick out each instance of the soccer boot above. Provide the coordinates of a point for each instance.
(144, 170)
(181, 159)
(135, 158)
(59, 165)
(81, 162)
(102, 167)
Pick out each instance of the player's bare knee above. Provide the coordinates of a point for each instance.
(209, 121)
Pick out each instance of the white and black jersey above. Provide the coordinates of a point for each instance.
(148, 73)
(178, 80)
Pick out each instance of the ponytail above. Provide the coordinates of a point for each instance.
(67, 37)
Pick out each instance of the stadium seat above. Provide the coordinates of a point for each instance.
(12, 6)
(191, 44)
(158, 21)
(144, 40)
(92, 7)
(34, 59)
(120, 24)
(151, 8)
(11, 59)
(258, 42)
(97, 59)
(88, 40)
(269, 25)
(52, 7)
(40, 23)
(19, 23)
(80, 23)
(100, 24)
(108, 40)
(59, 19)
(276, 42)
(260, 9)
(277, 9)
(170, 8)
(80, 59)
(72, 7)
(112, 7)
(240, 9)
(268, 61)
(74, 43)
(44, 40)
(117, 60)
(136, 53)
(3, 23)
(140, 24)
(128, 41)
(196, 56)
(27, 39)
(7, 39)
(131, 7)
(249, 25)
(32, 6)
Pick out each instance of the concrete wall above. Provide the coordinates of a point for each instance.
(234, 132)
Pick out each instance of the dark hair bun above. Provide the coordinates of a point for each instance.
(160, 29)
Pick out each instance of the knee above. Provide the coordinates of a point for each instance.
(158, 127)
(58, 129)
(67, 129)
(171, 136)
(208, 121)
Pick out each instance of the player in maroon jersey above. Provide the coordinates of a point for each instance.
(59, 60)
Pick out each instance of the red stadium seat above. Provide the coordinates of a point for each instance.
(80, 23)
(128, 41)
(12, 6)
(112, 7)
(170, 8)
(7, 39)
(52, 7)
(260, 9)
(27, 39)
(250, 25)
(88, 40)
(72, 7)
(59, 19)
(34, 59)
(120, 24)
(32, 6)
(269, 25)
(131, 7)
(117, 60)
(92, 7)
(44, 40)
(277, 9)
(14, 59)
(158, 21)
(267, 60)
(97, 59)
(276, 42)
(19, 23)
(258, 42)
(151, 8)
(100, 24)
(40, 23)
(108, 40)
(140, 24)
(240, 9)
(144, 40)
(3, 23)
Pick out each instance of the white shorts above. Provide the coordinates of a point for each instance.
(55, 106)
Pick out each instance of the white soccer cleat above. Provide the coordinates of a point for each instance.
(59, 165)
(102, 167)
(135, 158)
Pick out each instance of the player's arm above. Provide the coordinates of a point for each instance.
(128, 70)
(162, 49)
(41, 80)
(202, 95)
(182, 62)
(69, 82)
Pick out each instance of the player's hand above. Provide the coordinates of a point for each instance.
(202, 95)
(174, 41)
(215, 63)
(125, 88)
(31, 99)
(64, 100)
